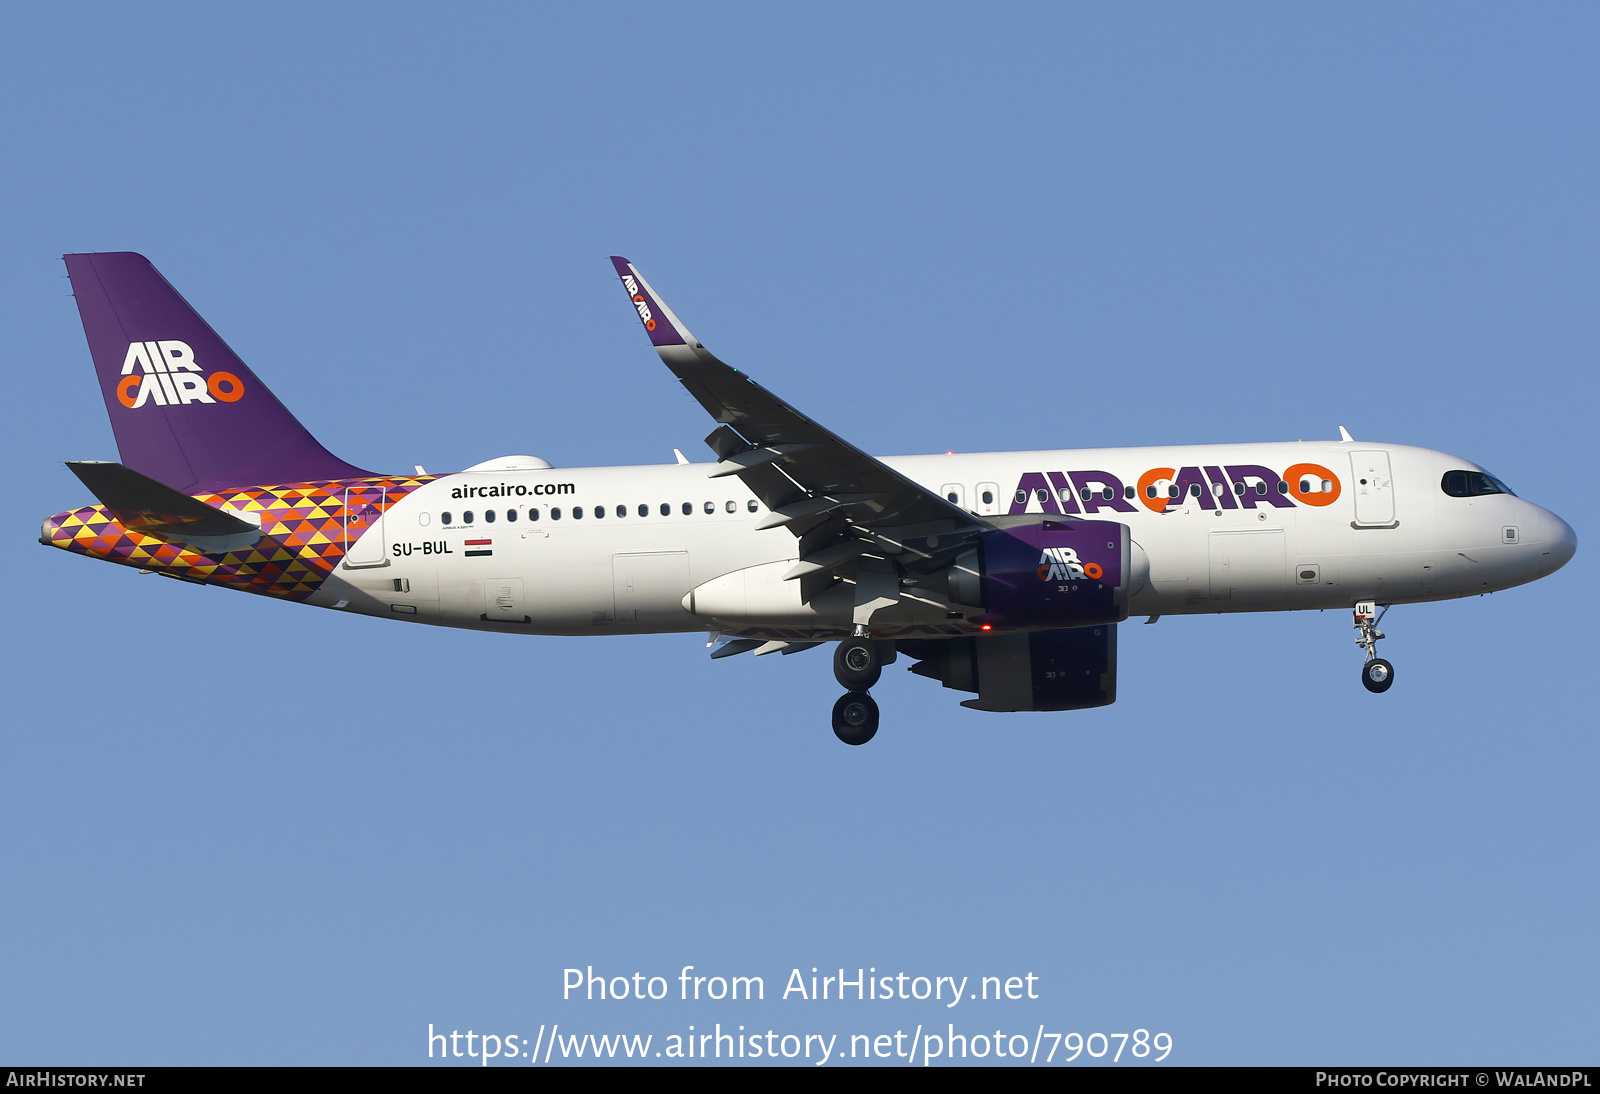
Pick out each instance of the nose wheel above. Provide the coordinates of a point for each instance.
(1377, 674)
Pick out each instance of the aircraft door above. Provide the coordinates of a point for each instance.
(364, 539)
(988, 499)
(1373, 488)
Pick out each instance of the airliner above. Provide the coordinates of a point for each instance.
(999, 574)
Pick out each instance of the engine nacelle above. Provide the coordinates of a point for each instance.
(1069, 669)
(1050, 573)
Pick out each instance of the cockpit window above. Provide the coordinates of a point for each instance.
(1472, 484)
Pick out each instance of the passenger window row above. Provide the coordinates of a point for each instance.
(1259, 488)
(1107, 493)
(598, 512)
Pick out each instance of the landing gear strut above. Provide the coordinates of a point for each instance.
(1377, 674)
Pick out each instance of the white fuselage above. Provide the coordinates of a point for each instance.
(1391, 534)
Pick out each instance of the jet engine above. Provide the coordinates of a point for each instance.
(1049, 573)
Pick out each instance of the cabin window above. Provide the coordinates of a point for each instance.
(622, 510)
(1042, 494)
(1127, 492)
(577, 512)
(644, 511)
(444, 518)
(555, 514)
(1086, 493)
(953, 498)
(688, 508)
(1022, 497)
(1150, 491)
(1108, 494)
(511, 514)
(533, 516)
(488, 516)
(1172, 491)
(1194, 490)
(423, 519)
(1238, 488)
(1261, 487)
(466, 518)
(599, 512)
(988, 498)
(666, 508)
(711, 507)
(732, 507)
(1283, 487)
(752, 506)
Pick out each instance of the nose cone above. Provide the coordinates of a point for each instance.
(1560, 544)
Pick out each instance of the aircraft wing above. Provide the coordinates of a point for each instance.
(840, 502)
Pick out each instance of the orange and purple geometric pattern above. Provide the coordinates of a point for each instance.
(306, 528)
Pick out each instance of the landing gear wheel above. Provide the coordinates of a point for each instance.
(857, 664)
(1377, 675)
(855, 718)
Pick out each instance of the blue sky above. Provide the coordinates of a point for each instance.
(242, 831)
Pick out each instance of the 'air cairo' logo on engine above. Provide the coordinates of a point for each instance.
(639, 301)
(171, 377)
(1063, 564)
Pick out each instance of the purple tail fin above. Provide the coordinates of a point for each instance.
(185, 410)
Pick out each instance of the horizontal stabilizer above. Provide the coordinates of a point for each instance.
(141, 504)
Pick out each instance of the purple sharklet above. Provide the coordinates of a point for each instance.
(184, 408)
(651, 311)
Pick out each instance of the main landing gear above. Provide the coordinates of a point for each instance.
(1377, 674)
(855, 718)
(857, 664)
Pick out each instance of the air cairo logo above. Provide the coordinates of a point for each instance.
(1063, 564)
(639, 302)
(171, 377)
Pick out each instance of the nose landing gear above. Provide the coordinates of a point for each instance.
(1377, 674)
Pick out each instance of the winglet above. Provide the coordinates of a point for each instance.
(1344, 434)
(664, 328)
